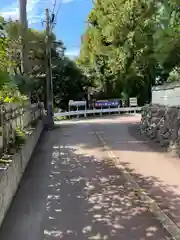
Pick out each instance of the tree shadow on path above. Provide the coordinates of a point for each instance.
(164, 195)
(65, 194)
(90, 199)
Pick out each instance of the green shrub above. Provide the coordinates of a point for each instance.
(60, 118)
(9, 93)
(20, 137)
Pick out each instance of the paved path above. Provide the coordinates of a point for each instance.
(152, 168)
(70, 191)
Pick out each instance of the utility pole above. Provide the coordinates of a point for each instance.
(49, 87)
(24, 27)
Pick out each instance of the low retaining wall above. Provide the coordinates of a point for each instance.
(162, 123)
(10, 178)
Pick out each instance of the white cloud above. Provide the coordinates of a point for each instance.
(66, 1)
(35, 9)
(72, 52)
(12, 11)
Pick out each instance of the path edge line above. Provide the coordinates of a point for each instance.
(152, 205)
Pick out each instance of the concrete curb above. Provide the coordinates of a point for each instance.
(166, 222)
(11, 176)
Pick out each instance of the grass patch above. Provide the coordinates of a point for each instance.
(60, 118)
(3, 161)
(20, 137)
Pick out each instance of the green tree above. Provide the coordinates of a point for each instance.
(167, 38)
(69, 81)
(128, 44)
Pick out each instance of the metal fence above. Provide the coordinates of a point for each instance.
(85, 113)
(13, 116)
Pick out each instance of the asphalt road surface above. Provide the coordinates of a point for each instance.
(71, 190)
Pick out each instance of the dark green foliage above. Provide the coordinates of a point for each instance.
(130, 44)
(20, 137)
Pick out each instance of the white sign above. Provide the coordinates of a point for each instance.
(70, 102)
(132, 102)
(77, 103)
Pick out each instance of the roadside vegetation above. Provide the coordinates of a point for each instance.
(131, 45)
(128, 47)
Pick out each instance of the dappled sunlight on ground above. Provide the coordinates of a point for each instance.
(89, 199)
(151, 166)
(71, 190)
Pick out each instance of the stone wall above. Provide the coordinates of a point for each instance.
(11, 176)
(162, 124)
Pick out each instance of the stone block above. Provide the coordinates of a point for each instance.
(10, 177)
(162, 123)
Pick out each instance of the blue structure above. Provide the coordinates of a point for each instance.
(107, 103)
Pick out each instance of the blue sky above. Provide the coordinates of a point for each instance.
(71, 19)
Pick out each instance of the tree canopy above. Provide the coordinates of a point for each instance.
(130, 45)
(68, 80)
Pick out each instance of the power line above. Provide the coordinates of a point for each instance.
(60, 4)
(54, 6)
(57, 12)
(53, 14)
